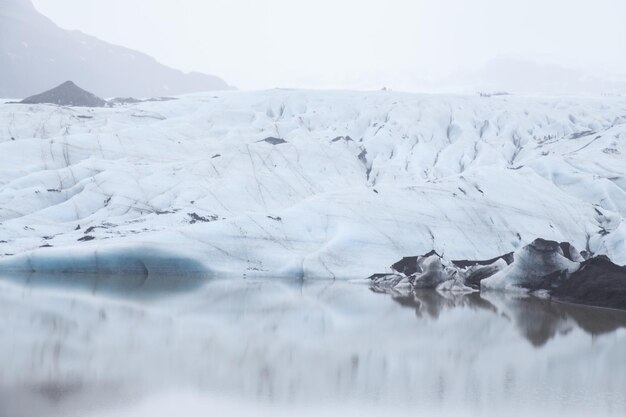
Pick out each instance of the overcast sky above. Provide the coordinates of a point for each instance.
(353, 43)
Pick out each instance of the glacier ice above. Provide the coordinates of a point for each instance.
(353, 182)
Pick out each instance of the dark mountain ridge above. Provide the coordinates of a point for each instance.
(35, 53)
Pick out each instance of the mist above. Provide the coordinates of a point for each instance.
(559, 46)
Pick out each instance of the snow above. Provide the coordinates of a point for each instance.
(361, 180)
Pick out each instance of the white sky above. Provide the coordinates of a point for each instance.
(353, 43)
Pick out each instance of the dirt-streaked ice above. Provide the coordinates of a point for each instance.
(359, 180)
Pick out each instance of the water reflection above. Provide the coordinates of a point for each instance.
(102, 345)
(537, 319)
(126, 286)
(429, 303)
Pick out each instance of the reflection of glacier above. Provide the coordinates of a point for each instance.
(538, 320)
(316, 184)
(306, 343)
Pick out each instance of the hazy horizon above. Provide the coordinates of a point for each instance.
(405, 45)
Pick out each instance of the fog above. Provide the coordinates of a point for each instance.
(366, 44)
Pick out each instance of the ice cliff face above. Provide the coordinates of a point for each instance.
(307, 184)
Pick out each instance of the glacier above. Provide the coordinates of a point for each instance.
(307, 184)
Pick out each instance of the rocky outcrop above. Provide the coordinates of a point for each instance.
(546, 268)
(598, 281)
(66, 94)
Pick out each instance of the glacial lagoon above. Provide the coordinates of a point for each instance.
(133, 346)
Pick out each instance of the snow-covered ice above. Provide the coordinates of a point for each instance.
(329, 184)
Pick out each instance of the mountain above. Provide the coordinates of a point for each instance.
(36, 54)
(66, 94)
(288, 183)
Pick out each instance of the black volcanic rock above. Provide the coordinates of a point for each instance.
(408, 265)
(66, 94)
(544, 267)
(597, 282)
(508, 258)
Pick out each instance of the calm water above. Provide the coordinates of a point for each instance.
(73, 346)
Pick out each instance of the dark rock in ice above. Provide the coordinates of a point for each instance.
(66, 94)
(273, 141)
(571, 253)
(86, 238)
(508, 258)
(363, 156)
(384, 282)
(162, 212)
(431, 272)
(550, 268)
(346, 138)
(475, 274)
(217, 155)
(371, 277)
(597, 282)
(195, 218)
(92, 228)
(475, 271)
(578, 135)
(408, 265)
(428, 271)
